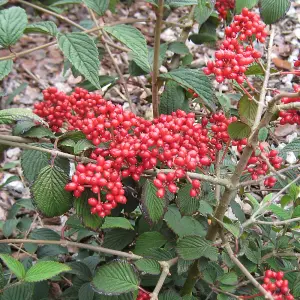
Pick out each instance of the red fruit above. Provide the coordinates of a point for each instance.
(196, 184)
(92, 201)
(172, 188)
(157, 183)
(160, 193)
(205, 161)
(279, 274)
(269, 274)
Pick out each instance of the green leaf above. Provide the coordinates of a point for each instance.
(149, 240)
(14, 265)
(149, 266)
(83, 210)
(293, 146)
(115, 278)
(83, 145)
(237, 211)
(13, 21)
(134, 40)
(2, 278)
(169, 295)
(255, 69)
(238, 130)
(272, 11)
(43, 270)
(51, 251)
(153, 207)
(65, 2)
(82, 52)
(49, 192)
(46, 27)
(252, 252)
(193, 247)
(44, 234)
(118, 239)
(247, 110)
(39, 132)
(116, 222)
(178, 48)
(98, 6)
(280, 212)
(104, 80)
(262, 134)
(203, 10)
(204, 208)
(229, 278)
(172, 99)
(5, 67)
(187, 205)
(183, 226)
(22, 291)
(8, 116)
(86, 292)
(178, 3)
(240, 4)
(192, 79)
(9, 226)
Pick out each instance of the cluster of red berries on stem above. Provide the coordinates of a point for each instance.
(223, 6)
(133, 145)
(277, 286)
(291, 116)
(232, 59)
(143, 295)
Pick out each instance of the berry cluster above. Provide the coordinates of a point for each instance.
(223, 6)
(232, 59)
(143, 296)
(291, 116)
(134, 145)
(277, 286)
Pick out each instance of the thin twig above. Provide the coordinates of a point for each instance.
(65, 243)
(278, 223)
(218, 174)
(155, 72)
(215, 289)
(166, 265)
(289, 254)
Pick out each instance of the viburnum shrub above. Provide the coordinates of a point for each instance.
(198, 201)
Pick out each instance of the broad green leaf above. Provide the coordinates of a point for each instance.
(237, 211)
(253, 202)
(22, 126)
(183, 226)
(39, 132)
(272, 11)
(83, 210)
(280, 212)
(263, 134)
(134, 40)
(82, 52)
(49, 192)
(149, 240)
(153, 207)
(65, 2)
(252, 252)
(183, 266)
(2, 278)
(98, 6)
(238, 130)
(104, 80)
(13, 21)
(118, 239)
(178, 3)
(14, 265)
(149, 266)
(83, 145)
(44, 234)
(86, 292)
(229, 278)
(240, 4)
(23, 291)
(191, 79)
(187, 205)
(169, 295)
(8, 116)
(43, 270)
(193, 247)
(172, 99)
(205, 209)
(178, 48)
(46, 27)
(293, 146)
(116, 222)
(5, 67)
(247, 110)
(115, 278)
(203, 10)
(81, 270)
(9, 226)
(51, 251)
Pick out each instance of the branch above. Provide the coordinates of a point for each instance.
(22, 53)
(155, 73)
(243, 268)
(263, 91)
(65, 243)
(166, 265)
(292, 105)
(278, 223)
(289, 254)
(218, 174)
(225, 293)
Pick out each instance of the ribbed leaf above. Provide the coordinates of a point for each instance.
(22, 291)
(118, 239)
(293, 146)
(43, 270)
(134, 40)
(39, 132)
(5, 67)
(193, 247)
(203, 10)
(149, 240)
(14, 265)
(82, 52)
(49, 192)
(247, 110)
(273, 10)
(46, 27)
(229, 278)
(98, 6)
(240, 4)
(86, 292)
(153, 207)
(115, 278)
(44, 234)
(280, 212)
(149, 266)
(116, 222)
(187, 205)
(238, 130)
(192, 79)
(13, 21)
(83, 145)
(169, 295)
